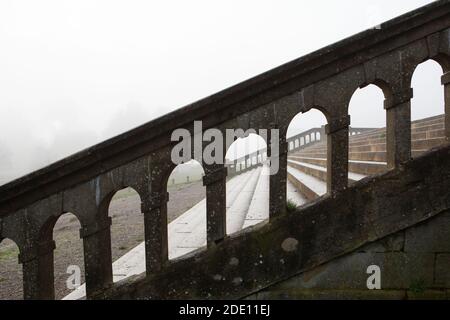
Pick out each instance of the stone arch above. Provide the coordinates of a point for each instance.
(186, 209)
(61, 238)
(68, 251)
(241, 205)
(12, 274)
(429, 108)
(307, 165)
(366, 110)
(435, 70)
(123, 207)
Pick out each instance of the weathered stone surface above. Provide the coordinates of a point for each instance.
(305, 294)
(430, 236)
(442, 271)
(324, 230)
(398, 271)
(331, 227)
(389, 244)
(427, 295)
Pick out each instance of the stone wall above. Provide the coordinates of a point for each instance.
(414, 264)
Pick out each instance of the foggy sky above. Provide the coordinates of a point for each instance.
(73, 73)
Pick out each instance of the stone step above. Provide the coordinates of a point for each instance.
(379, 156)
(188, 232)
(438, 133)
(258, 210)
(424, 135)
(310, 187)
(320, 172)
(238, 210)
(381, 133)
(440, 119)
(421, 144)
(295, 196)
(362, 167)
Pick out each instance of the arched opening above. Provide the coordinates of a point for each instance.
(247, 193)
(127, 234)
(68, 255)
(11, 284)
(367, 138)
(307, 164)
(186, 209)
(427, 108)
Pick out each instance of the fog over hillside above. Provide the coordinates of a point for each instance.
(75, 73)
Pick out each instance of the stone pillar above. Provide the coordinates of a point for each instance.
(38, 271)
(337, 153)
(398, 127)
(216, 204)
(248, 163)
(278, 181)
(97, 256)
(445, 80)
(155, 226)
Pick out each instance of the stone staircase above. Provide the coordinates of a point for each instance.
(338, 220)
(367, 156)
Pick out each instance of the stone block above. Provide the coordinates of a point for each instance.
(313, 294)
(427, 295)
(430, 236)
(442, 271)
(388, 244)
(398, 271)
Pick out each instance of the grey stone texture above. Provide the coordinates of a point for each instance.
(337, 224)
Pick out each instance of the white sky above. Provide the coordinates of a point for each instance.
(74, 73)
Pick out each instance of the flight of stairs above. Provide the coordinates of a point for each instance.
(367, 156)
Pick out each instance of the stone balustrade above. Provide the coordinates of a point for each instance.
(84, 183)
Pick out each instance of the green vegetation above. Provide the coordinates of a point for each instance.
(417, 286)
(8, 253)
(291, 206)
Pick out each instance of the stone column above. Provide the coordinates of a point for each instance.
(398, 127)
(97, 256)
(445, 80)
(337, 153)
(216, 204)
(278, 181)
(155, 225)
(38, 271)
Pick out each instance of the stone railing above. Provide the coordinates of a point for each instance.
(294, 143)
(84, 183)
(257, 158)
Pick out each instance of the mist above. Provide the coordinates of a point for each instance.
(74, 73)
